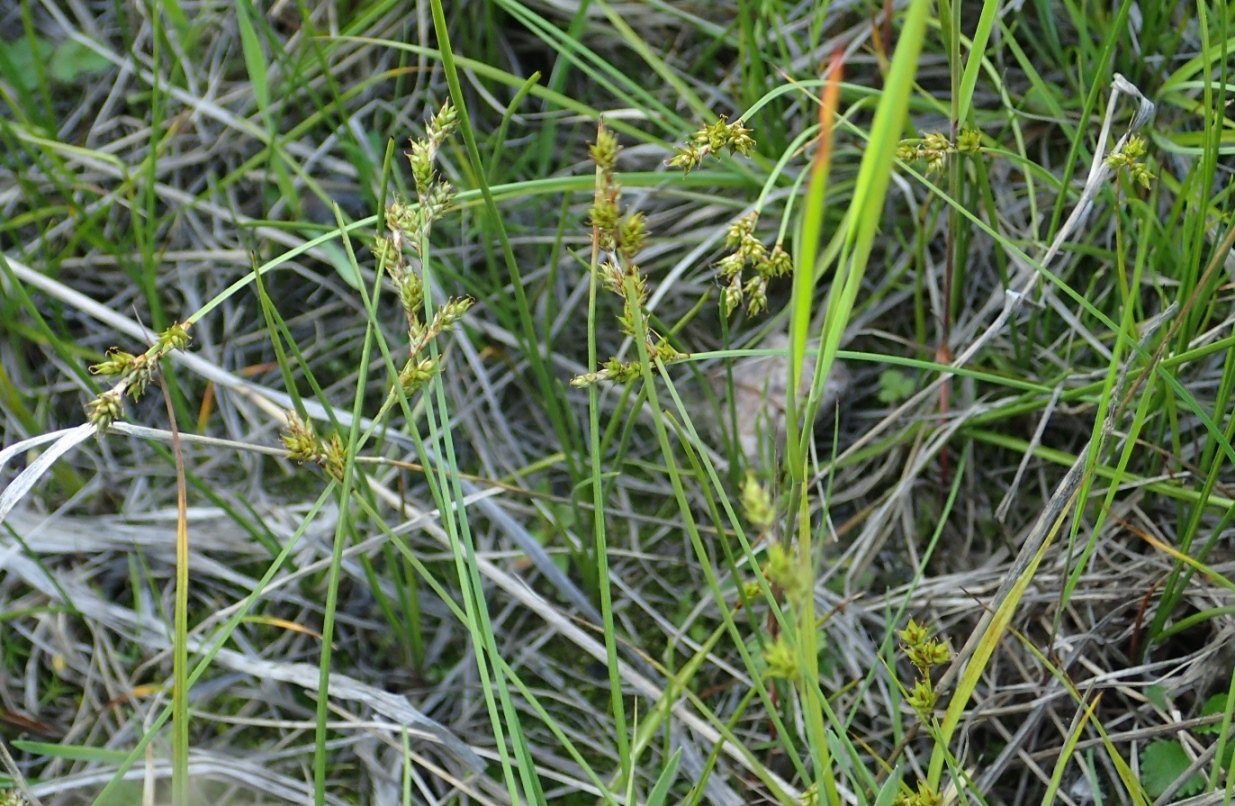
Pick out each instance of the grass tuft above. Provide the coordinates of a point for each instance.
(616, 402)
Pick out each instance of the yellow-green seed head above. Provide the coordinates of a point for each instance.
(621, 373)
(757, 502)
(756, 292)
(914, 633)
(400, 216)
(175, 337)
(777, 263)
(969, 141)
(631, 235)
(301, 443)
(421, 160)
(922, 699)
(105, 409)
(738, 139)
(605, 150)
(688, 158)
(388, 257)
(730, 265)
(443, 123)
(741, 229)
(604, 216)
(336, 458)
(417, 373)
(731, 297)
(118, 363)
(782, 661)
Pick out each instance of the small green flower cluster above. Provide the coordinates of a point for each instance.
(304, 445)
(760, 512)
(757, 503)
(749, 251)
(409, 225)
(924, 796)
(924, 653)
(934, 149)
(135, 373)
(1129, 159)
(785, 570)
(782, 661)
(711, 140)
(620, 237)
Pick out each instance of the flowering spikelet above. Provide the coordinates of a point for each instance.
(712, 140)
(135, 372)
(620, 238)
